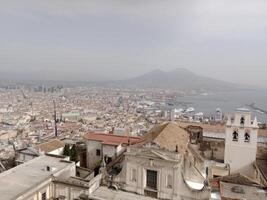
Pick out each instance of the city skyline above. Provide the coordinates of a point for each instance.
(123, 99)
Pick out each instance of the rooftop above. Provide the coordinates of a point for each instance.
(243, 109)
(262, 165)
(50, 146)
(23, 178)
(28, 151)
(169, 136)
(104, 193)
(239, 179)
(111, 139)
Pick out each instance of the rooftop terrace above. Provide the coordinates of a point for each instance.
(23, 178)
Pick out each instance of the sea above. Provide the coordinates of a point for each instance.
(228, 102)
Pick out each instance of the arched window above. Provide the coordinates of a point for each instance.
(242, 121)
(235, 136)
(247, 137)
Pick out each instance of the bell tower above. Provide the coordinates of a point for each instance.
(240, 140)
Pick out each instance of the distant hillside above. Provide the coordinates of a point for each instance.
(176, 79)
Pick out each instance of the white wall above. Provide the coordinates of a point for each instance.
(36, 193)
(120, 149)
(240, 154)
(92, 158)
(109, 150)
(48, 186)
(58, 151)
(70, 192)
(95, 183)
(163, 168)
(67, 172)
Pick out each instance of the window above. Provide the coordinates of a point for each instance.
(247, 137)
(133, 175)
(151, 179)
(176, 148)
(242, 121)
(232, 119)
(98, 152)
(235, 136)
(169, 181)
(198, 135)
(44, 196)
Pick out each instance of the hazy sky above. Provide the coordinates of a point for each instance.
(226, 39)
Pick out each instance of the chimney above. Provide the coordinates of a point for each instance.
(111, 131)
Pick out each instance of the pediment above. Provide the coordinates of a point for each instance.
(153, 154)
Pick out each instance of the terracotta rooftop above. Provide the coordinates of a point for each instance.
(50, 146)
(168, 136)
(111, 139)
(153, 133)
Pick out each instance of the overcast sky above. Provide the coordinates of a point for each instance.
(87, 40)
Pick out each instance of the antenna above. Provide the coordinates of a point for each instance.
(55, 117)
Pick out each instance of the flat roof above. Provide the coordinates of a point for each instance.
(21, 179)
(104, 193)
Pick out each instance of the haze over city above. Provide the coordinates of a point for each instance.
(112, 40)
(133, 99)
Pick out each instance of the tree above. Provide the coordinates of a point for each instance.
(73, 154)
(66, 150)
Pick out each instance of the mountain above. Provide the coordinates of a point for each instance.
(180, 78)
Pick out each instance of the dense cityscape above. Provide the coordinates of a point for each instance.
(108, 136)
(133, 100)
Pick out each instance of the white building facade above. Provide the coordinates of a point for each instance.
(45, 178)
(241, 140)
(151, 172)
